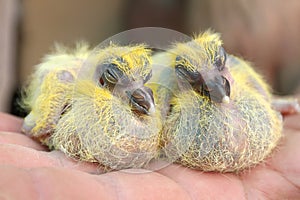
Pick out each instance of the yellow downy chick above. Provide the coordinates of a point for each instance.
(221, 117)
(93, 106)
(49, 91)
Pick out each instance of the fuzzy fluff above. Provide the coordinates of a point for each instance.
(209, 136)
(71, 112)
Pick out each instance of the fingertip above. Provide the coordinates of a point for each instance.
(10, 123)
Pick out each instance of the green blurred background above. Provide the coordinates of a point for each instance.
(265, 32)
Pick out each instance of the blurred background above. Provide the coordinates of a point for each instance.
(265, 32)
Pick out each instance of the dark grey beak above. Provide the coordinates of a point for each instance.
(217, 89)
(141, 100)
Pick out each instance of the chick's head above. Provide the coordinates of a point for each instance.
(49, 89)
(123, 70)
(201, 65)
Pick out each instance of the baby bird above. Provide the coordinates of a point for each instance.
(93, 105)
(221, 116)
(50, 88)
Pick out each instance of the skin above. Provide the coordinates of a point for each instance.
(27, 167)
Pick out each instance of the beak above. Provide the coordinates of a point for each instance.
(141, 100)
(217, 89)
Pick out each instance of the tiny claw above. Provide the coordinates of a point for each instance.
(286, 106)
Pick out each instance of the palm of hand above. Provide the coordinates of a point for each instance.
(29, 171)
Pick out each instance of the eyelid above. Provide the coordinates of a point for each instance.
(114, 72)
(220, 59)
(183, 72)
(147, 77)
(111, 75)
(223, 53)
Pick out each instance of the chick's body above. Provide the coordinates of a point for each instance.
(100, 111)
(221, 117)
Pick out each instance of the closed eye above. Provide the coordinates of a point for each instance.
(111, 75)
(148, 76)
(185, 74)
(220, 59)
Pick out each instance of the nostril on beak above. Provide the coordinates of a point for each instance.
(218, 90)
(141, 100)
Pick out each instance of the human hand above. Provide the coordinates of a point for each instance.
(29, 171)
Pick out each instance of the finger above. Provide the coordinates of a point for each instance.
(292, 122)
(264, 183)
(148, 185)
(205, 185)
(20, 139)
(286, 159)
(70, 163)
(10, 123)
(50, 183)
(16, 184)
(23, 157)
